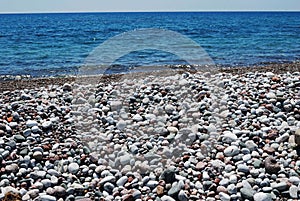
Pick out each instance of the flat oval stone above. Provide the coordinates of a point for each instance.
(231, 151)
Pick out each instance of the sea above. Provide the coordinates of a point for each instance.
(58, 44)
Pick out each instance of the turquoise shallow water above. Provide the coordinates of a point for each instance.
(57, 44)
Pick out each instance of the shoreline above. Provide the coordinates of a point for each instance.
(31, 83)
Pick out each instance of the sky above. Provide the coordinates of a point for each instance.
(37, 6)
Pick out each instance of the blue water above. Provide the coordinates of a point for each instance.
(57, 44)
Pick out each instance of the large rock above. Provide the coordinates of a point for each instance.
(271, 165)
(297, 137)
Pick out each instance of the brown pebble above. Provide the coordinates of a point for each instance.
(217, 180)
(201, 165)
(271, 165)
(269, 150)
(160, 190)
(185, 157)
(272, 134)
(163, 92)
(130, 179)
(276, 79)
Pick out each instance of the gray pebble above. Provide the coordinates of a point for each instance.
(73, 168)
(231, 151)
(224, 196)
(262, 197)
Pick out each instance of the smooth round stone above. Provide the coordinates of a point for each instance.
(137, 194)
(229, 137)
(27, 132)
(105, 109)
(262, 197)
(231, 188)
(294, 180)
(293, 191)
(224, 182)
(35, 129)
(137, 117)
(254, 172)
(247, 193)
(47, 124)
(257, 163)
(12, 168)
(125, 159)
(108, 187)
(146, 100)
(233, 179)
(33, 193)
(152, 184)
(121, 125)
(37, 155)
(19, 138)
(54, 180)
(243, 168)
(59, 191)
(134, 149)
(251, 145)
(73, 168)
(205, 176)
(41, 173)
(224, 196)
(172, 129)
(150, 116)
(170, 109)
(229, 168)
(26, 197)
(231, 151)
(246, 157)
(31, 123)
(53, 172)
(46, 183)
(271, 95)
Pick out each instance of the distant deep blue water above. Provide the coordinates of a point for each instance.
(55, 44)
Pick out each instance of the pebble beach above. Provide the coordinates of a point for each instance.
(227, 135)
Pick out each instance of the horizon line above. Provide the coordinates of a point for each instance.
(143, 11)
